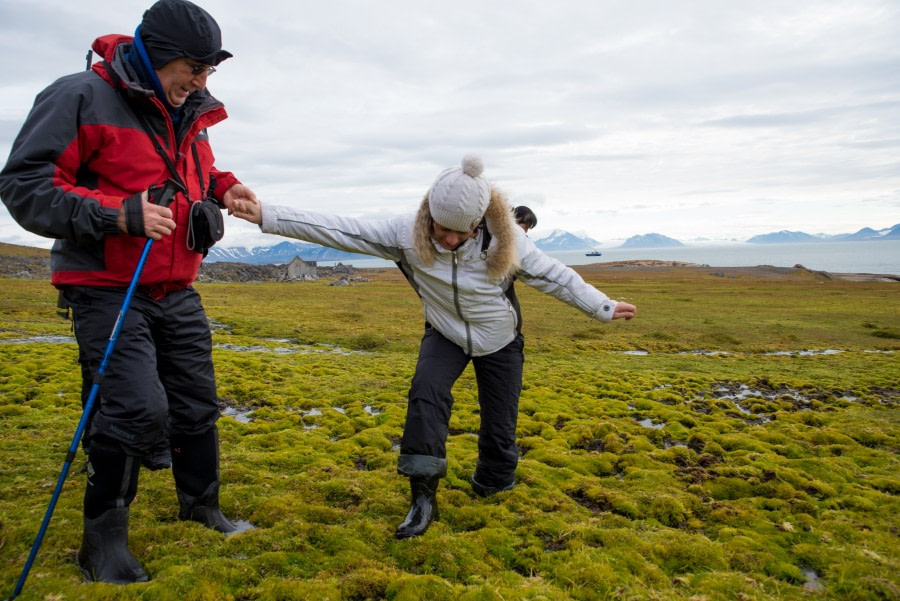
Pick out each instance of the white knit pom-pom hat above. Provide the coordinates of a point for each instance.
(459, 196)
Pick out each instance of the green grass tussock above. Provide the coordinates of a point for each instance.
(738, 440)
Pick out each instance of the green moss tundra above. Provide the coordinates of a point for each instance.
(738, 440)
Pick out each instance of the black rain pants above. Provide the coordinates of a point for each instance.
(161, 367)
(423, 450)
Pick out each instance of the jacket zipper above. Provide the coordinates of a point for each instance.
(455, 262)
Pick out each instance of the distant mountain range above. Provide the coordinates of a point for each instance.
(557, 240)
(865, 234)
(651, 241)
(283, 252)
(562, 240)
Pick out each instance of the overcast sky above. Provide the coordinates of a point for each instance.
(608, 118)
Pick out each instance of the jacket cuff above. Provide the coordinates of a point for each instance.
(224, 180)
(607, 308)
(109, 221)
(269, 218)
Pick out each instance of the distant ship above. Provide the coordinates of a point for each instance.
(593, 253)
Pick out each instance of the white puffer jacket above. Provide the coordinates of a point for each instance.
(462, 300)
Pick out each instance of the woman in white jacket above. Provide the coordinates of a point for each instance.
(460, 252)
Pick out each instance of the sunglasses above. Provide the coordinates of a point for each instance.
(198, 69)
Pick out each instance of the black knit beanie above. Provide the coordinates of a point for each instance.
(173, 29)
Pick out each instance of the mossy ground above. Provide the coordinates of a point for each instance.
(736, 473)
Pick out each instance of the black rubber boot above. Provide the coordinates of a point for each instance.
(486, 491)
(104, 554)
(424, 508)
(111, 486)
(195, 465)
(205, 509)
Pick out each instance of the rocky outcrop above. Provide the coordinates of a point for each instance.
(241, 272)
(35, 265)
(244, 272)
(25, 267)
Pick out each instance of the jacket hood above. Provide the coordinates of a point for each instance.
(105, 46)
(503, 257)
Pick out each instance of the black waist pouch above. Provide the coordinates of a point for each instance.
(206, 226)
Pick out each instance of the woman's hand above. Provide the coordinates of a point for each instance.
(238, 197)
(249, 211)
(624, 310)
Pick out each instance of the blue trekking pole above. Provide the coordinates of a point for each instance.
(161, 195)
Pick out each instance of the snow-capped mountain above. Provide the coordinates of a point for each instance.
(557, 240)
(563, 240)
(865, 234)
(651, 241)
(283, 252)
(783, 237)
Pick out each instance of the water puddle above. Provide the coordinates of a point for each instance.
(340, 410)
(291, 349)
(372, 411)
(812, 580)
(240, 415)
(40, 340)
(218, 326)
(797, 353)
(805, 353)
(742, 393)
(649, 423)
(757, 418)
(314, 412)
(668, 444)
(242, 526)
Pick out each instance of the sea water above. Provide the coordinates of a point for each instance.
(882, 257)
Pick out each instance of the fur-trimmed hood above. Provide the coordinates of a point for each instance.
(503, 258)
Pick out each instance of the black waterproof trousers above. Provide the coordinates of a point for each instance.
(423, 450)
(161, 367)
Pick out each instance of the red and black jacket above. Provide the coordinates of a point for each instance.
(83, 150)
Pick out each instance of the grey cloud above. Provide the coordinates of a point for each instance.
(801, 117)
(875, 144)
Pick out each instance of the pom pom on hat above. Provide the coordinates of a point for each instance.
(460, 196)
(472, 165)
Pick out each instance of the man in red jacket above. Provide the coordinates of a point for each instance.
(79, 172)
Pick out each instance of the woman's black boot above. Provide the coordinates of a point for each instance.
(424, 508)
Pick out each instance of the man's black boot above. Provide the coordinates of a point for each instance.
(195, 465)
(104, 554)
(205, 509)
(424, 509)
(111, 486)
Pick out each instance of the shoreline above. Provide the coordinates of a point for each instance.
(756, 270)
(26, 262)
